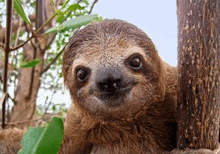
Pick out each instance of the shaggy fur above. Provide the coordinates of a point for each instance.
(144, 120)
(10, 140)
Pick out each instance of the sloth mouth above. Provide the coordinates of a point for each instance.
(115, 97)
(122, 90)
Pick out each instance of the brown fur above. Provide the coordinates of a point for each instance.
(144, 120)
(10, 140)
(141, 121)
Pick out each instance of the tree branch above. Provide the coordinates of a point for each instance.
(1, 80)
(22, 44)
(12, 99)
(7, 51)
(33, 35)
(48, 21)
(18, 32)
(93, 4)
(54, 60)
(50, 102)
(39, 29)
(2, 45)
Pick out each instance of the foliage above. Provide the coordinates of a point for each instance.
(31, 63)
(69, 17)
(19, 9)
(73, 23)
(43, 139)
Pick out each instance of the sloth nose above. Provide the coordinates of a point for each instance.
(109, 80)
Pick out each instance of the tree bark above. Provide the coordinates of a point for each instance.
(29, 78)
(198, 82)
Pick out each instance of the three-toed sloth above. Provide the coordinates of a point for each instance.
(123, 94)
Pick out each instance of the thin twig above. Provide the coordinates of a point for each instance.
(13, 100)
(22, 44)
(45, 112)
(93, 4)
(2, 45)
(18, 32)
(33, 34)
(14, 58)
(79, 1)
(1, 80)
(3, 98)
(33, 69)
(54, 60)
(48, 21)
(7, 51)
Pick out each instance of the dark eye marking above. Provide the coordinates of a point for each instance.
(135, 61)
(82, 73)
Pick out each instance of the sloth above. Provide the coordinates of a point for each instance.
(123, 94)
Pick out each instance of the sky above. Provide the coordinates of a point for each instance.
(157, 18)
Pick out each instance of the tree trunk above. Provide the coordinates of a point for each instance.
(198, 63)
(29, 78)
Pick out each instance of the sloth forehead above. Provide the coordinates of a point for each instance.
(112, 55)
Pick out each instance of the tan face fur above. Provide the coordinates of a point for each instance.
(113, 88)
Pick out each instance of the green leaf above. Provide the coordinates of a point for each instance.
(19, 9)
(53, 108)
(75, 7)
(73, 23)
(31, 63)
(53, 30)
(60, 18)
(43, 139)
(60, 75)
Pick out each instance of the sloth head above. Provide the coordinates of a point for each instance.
(113, 70)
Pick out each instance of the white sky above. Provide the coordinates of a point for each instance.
(156, 17)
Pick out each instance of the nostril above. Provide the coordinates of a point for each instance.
(109, 85)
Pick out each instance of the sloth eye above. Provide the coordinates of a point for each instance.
(135, 62)
(82, 73)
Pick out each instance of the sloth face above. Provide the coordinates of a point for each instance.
(113, 77)
(112, 82)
